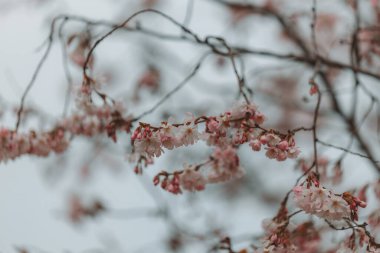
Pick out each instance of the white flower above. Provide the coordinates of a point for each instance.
(188, 135)
(167, 137)
(149, 146)
(321, 202)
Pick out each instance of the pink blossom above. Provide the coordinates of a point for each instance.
(213, 125)
(13, 145)
(313, 90)
(167, 137)
(150, 147)
(264, 139)
(192, 180)
(281, 156)
(259, 118)
(188, 135)
(283, 145)
(321, 202)
(293, 152)
(225, 165)
(172, 185)
(255, 145)
(271, 153)
(242, 110)
(272, 139)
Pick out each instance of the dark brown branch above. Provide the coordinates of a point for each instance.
(35, 74)
(345, 150)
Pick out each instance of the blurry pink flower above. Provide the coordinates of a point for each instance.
(192, 180)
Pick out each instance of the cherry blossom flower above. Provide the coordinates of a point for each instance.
(255, 145)
(233, 128)
(13, 145)
(321, 202)
(188, 135)
(150, 147)
(167, 136)
(259, 118)
(192, 180)
(89, 120)
(172, 185)
(241, 111)
(272, 140)
(279, 148)
(293, 152)
(225, 165)
(214, 125)
(317, 200)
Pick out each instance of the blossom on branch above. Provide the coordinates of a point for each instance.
(319, 201)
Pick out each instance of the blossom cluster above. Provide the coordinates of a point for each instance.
(298, 239)
(13, 144)
(237, 126)
(92, 119)
(225, 133)
(89, 120)
(277, 148)
(317, 200)
(223, 166)
(149, 141)
(281, 235)
(190, 179)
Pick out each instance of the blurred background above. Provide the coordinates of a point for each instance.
(38, 196)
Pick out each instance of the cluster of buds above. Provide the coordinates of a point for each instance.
(222, 166)
(168, 182)
(279, 147)
(242, 125)
(354, 204)
(190, 179)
